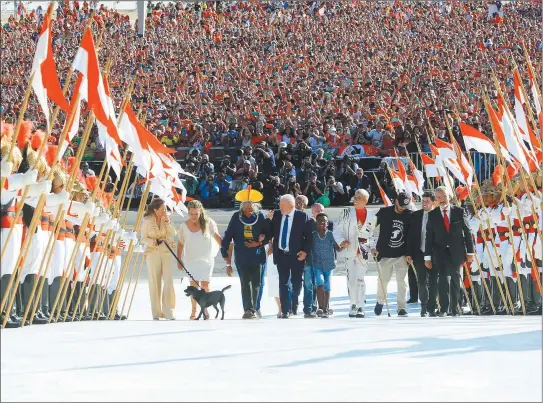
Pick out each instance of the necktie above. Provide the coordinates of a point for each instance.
(423, 232)
(446, 220)
(284, 234)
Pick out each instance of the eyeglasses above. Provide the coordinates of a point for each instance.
(359, 197)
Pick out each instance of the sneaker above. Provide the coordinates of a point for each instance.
(248, 314)
(352, 314)
(535, 311)
(330, 312)
(285, 316)
(423, 313)
(259, 314)
(402, 313)
(432, 314)
(295, 309)
(442, 315)
(320, 312)
(378, 309)
(279, 315)
(310, 315)
(325, 315)
(360, 313)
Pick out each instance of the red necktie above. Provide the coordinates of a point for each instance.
(446, 220)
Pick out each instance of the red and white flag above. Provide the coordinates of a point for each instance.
(535, 95)
(474, 139)
(45, 83)
(384, 196)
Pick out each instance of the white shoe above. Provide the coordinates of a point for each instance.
(352, 314)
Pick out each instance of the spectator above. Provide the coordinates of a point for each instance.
(359, 181)
(209, 192)
(313, 188)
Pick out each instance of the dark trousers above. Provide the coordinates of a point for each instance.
(44, 297)
(250, 284)
(54, 289)
(413, 286)
(427, 283)
(4, 286)
(79, 290)
(26, 289)
(448, 282)
(294, 273)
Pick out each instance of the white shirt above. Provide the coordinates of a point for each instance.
(290, 219)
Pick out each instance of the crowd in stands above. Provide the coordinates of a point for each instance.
(285, 89)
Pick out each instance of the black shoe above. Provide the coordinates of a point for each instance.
(39, 321)
(11, 324)
(412, 301)
(378, 309)
(535, 311)
(285, 316)
(402, 313)
(455, 314)
(310, 315)
(432, 314)
(442, 315)
(423, 313)
(501, 311)
(102, 317)
(360, 313)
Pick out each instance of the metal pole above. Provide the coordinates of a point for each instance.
(141, 17)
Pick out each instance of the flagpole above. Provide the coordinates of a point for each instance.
(32, 227)
(506, 202)
(65, 281)
(43, 144)
(424, 165)
(531, 68)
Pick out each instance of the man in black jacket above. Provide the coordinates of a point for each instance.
(448, 245)
(415, 256)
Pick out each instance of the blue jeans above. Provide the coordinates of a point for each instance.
(322, 278)
(261, 291)
(310, 297)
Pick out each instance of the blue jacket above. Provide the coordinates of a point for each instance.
(235, 232)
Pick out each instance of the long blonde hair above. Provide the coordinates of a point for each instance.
(203, 219)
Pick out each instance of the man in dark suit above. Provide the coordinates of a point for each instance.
(416, 243)
(292, 240)
(448, 245)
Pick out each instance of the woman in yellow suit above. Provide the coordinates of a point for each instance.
(156, 230)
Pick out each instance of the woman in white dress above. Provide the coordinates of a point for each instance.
(199, 243)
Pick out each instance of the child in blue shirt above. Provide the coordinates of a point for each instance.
(323, 254)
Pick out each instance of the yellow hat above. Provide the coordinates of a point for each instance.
(249, 195)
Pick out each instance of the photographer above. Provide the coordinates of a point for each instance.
(273, 189)
(293, 188)
(206, 168)
(224, 190)
(313, 189)
(209, 192)
(287, 171)
(227, 167)
(347, 169)
(303, 153)
(265, 159)
(336, 192)
(359, 181)
(306, 169)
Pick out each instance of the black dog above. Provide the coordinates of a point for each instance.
(207, 299)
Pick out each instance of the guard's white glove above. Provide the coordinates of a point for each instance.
(30, 177)
(139, 248)
(115, 225)
(55, 199)
(97, 211)
(102, 219)
(5, 168)
(108, 225)
(89, 207)
(506, 211)
(37, 189)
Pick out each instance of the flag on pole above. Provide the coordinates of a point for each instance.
(384, 196)
(474, 139)
(45, 83)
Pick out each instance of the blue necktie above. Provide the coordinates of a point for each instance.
(284, 234)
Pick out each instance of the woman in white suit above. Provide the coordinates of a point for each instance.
(352, 231)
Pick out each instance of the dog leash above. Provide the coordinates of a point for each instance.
(181, 263)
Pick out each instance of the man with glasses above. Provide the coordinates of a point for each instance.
(359, 181)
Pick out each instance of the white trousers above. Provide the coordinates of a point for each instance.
(356, 269)
(386, 266)
(36, 253)
(13, 248)
(116, 274)
(57, 261)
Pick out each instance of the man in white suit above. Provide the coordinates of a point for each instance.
(352, 231)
